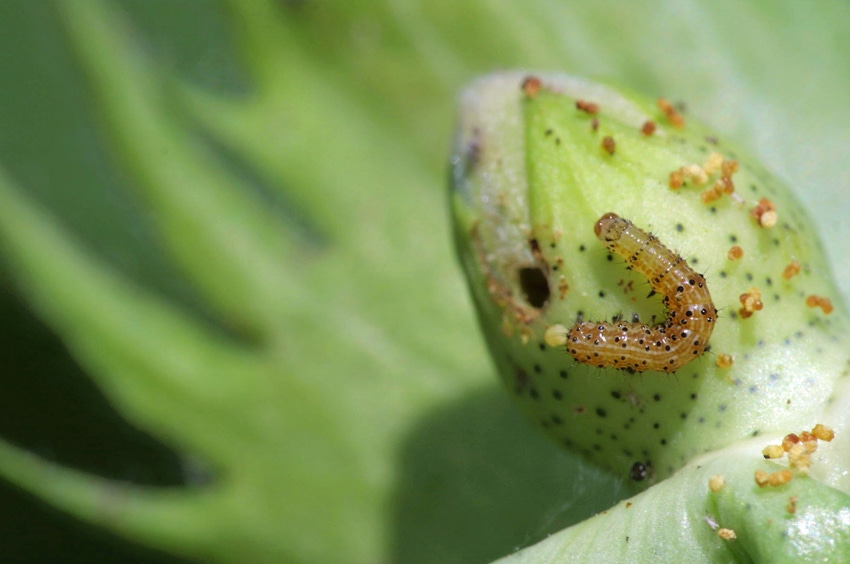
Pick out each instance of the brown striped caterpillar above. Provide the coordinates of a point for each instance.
(636, 347)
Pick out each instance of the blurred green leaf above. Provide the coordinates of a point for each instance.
(250, 251)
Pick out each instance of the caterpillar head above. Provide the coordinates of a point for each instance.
(539, 160)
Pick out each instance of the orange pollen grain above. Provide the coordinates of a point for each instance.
(677, 178)
(773, 451)
(792, 270)
(823, 433)
(726, 534)
(695, 173)
(751, 302)
(800, 457)
(716, 483)
(825, 304)
(728, 167)
(710, 194)
(779, 478)
(735, 253)
(648, 128)
(712, 163)
(806, 437)
(789, 441)
(587, 107)
(764, 213)
(671, 113)
(531, 86)
(792, 504)
(609, 145)
(724, 360)
(773, 479)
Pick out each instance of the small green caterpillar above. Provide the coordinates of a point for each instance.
(636, 347)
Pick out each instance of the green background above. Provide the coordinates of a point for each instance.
(469, 480)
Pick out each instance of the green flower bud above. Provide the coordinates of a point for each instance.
(538, 160)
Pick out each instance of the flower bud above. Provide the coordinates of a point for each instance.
(606, 331)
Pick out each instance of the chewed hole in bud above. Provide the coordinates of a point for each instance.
(534, 285)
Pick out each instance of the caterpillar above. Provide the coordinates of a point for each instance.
(637, 347)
